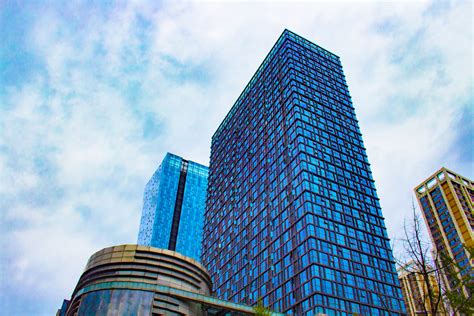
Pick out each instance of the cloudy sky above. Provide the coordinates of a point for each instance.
(93, 94)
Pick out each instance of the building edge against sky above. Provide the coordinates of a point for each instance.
(173, 207)
(292, 215)
(446, 200)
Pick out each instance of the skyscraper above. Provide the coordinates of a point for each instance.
(292, 215)
(446, 200)
(173, 207)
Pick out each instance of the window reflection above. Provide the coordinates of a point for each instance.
(116, 302)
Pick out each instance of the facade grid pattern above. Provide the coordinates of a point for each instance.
(292, 215)
(447, 203)
(173, 219)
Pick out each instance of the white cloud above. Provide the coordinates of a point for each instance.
(75, 152)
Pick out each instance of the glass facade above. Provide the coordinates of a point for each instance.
(116, 302)
(192, 213)
(292, 215)
(173, 207)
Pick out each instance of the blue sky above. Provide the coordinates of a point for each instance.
(93, 94)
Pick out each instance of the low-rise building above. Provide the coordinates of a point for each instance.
(141, 280)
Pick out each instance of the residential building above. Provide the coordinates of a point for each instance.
(173, 207)
(446, 200)
(142, 281)
(292, 215)
(415, 283)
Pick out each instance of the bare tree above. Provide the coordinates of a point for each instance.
(420, 267)
(434, 269)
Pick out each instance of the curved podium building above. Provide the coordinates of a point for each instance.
(140, 280)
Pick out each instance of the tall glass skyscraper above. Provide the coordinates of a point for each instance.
(292, 215)
(173, 207)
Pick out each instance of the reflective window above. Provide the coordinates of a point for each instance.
(116, 302)
(291, 194)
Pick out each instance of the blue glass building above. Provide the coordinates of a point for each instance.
(173, 207)
(292, 215)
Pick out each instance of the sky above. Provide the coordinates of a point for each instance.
(94, 93)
